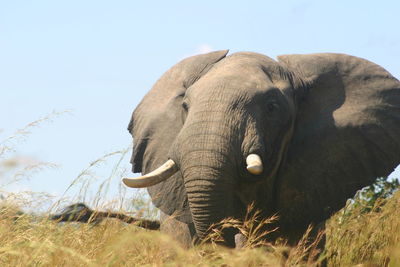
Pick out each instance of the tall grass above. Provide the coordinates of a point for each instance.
(354, 235)
(366, 237)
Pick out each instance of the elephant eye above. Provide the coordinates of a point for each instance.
(185, 106)
(184, 112)
(272, 106)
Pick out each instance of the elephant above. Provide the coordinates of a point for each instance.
(296, 137)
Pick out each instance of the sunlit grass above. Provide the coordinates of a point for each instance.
(111, 243)
(372, 237)
(27, 240)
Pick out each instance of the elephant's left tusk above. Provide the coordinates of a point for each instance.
(160, 174)
(254, 164)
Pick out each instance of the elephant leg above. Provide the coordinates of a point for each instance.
(316, 239)
(240, 241)
(182, 232)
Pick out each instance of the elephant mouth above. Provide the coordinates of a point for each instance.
(169, 168)
(277, 157)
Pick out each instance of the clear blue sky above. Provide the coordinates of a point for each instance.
(98, 59)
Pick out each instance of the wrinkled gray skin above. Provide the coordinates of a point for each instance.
(325, 125)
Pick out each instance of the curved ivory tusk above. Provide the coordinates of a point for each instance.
(254, 164)
(160, 174)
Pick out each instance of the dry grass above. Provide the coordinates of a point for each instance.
(111, 243)
(371, 239)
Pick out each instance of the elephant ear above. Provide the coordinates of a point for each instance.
(157, 121)
(347, 134)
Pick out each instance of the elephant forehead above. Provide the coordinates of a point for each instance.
(237, 73)
(246, 70)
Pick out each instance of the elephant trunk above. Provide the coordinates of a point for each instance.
(210, 193)
(208, 162)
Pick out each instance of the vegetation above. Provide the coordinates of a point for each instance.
(366, 231)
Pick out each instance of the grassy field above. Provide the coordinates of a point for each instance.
(358, 235)
(371, 238)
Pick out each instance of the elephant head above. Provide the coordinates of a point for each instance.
(297, 136)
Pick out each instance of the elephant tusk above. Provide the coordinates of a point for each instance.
(160, 174)
(254, 164)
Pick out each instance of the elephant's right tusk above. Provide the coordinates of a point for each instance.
(254, 164)
(160, 174)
